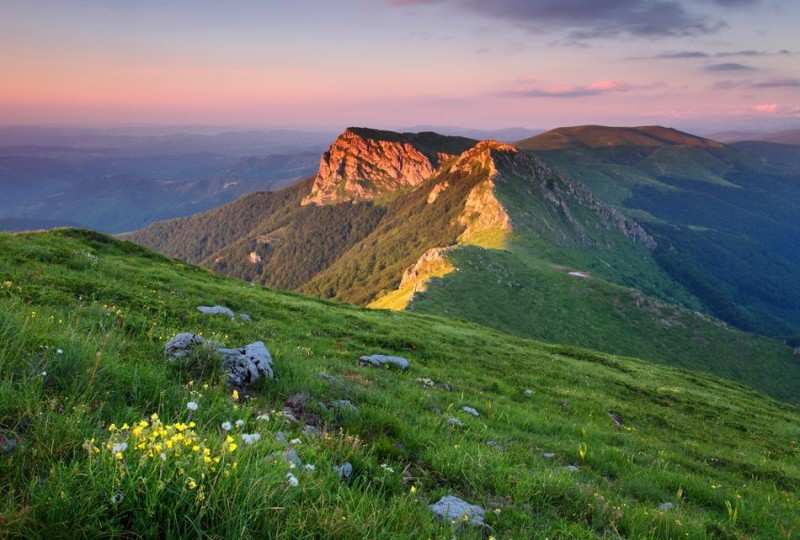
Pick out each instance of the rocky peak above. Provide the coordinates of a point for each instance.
(360, 167)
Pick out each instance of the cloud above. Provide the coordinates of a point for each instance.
(778, 83)
(727, 85)
(673, 55)
(585, 20)
(767, 108)
(729, 66)
(571, 91)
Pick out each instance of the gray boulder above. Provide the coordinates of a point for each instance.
(455, 422)
(247, 364)
(666, 506)
(344, 471)
(454, 509)
(182, 344)
(245, 317)
(380, 360)
(221, 310)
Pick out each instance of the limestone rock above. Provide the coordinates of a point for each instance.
(182, 344)
(380, 360)
(247, 364)
(470, 410)
(344, 471)
(452, 508)
(214, 310)
(361, 166)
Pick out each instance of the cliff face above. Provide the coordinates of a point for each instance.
(359, 168)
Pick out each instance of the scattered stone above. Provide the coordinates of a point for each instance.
(344, 471)
(616, 418)
(741, 454)
(7, 444)
(280, 437)
(455, 422)
(571, 468)
(454, 509)
(471, 411)
(216, 310)
(310, 430)
(380, 360)
(343, 405)
(289, 414)
(182, 344)
(493, 443)
(248, 364)
(549, 455)
(425, 381)
(326, 377)
(288, 456)
(665, 507)
(245, 365)
(245, 317)
(528, 392)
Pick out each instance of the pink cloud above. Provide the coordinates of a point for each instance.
(767, 108)
(609, 86)
(569, 90)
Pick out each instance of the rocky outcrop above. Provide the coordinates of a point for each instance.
(432, 263)
(361, 168)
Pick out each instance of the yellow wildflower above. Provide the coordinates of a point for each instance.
(235, 394)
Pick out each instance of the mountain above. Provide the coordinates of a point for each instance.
(491, 234)
(101, 436)
(114, 182)
(725, 221)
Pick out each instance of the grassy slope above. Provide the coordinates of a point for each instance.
(82, 327)
(690, 192)
(516, 294)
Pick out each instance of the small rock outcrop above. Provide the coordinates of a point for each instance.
(470, 410)
(452, 508)
(214, 310)
(248, 364)
(245, 365)
(362, 165)
(380, 360)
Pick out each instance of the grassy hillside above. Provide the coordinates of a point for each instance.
(83, 323)
(725, 220)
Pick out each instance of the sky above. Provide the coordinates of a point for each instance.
(700, 65)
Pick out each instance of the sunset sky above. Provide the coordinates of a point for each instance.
(314, 64)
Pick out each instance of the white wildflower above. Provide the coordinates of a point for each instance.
(117, 497)
(293, 481)
(239, 423)
(295, 441)
(163, 456)
(192, 406)
(250, 438)
(310, 467)
(226, 426)
(386, 468)
(264, 417)
(120, 447)
(59, 351)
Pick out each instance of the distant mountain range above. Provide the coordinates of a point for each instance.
(663, 230)
(117, 182)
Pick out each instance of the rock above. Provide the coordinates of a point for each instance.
(455, 422)
(548, 455)
(344, 471)
(280, 437)
(665, 507)
(571, 468)
(616, 418)
(380, 360)
(310, 430)
(248, 364)
(288, 456)
(425, 381)
(471, 411)
(182, 344)
(7, 444)
(326, 377)
(221, 310)
(343, 405)
(245, 317)
(528, 392)
(452, 508)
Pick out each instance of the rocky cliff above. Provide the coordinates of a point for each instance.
(365, 164)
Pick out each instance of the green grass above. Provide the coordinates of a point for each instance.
(83, 323)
